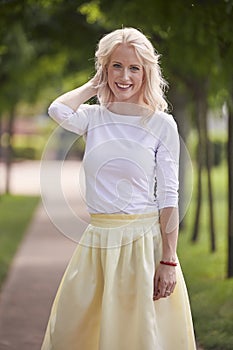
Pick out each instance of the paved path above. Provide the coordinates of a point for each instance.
(27, 294)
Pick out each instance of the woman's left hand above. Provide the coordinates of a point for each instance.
(164, 281)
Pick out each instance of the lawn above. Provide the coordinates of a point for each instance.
(210, 292)
(15, 215)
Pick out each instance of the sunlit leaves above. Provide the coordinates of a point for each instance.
(92, 12)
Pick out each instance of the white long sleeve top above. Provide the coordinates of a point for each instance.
(130, 167)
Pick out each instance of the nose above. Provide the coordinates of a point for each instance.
(125, 74)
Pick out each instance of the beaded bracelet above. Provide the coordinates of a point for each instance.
(169, 263)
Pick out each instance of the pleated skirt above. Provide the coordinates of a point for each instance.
(105, 299)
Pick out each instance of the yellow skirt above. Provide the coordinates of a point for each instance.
(105, 299)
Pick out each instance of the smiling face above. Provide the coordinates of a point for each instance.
(125, 75)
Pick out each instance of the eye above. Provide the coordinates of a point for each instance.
(116, 65)
(134, 68)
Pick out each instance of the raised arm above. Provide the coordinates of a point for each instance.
(65, 109)
(76, 97)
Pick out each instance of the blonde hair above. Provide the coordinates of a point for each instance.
(155, 85)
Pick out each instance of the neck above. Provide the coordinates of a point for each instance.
(126, 108)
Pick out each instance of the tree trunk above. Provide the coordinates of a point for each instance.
(8, 158)
(1, 153)
(198, 201)
(200, 162)
(1, 147)
(210, 187)
(230, 198)
(180, 101)
(203, 160)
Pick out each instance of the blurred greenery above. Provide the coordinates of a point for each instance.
(50, 48)
(51, 44)
(15, 215)
(28, 147)
(210, 293)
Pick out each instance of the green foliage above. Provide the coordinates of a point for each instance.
(218, 148)
(15, 59)
(92, 12)
(15, 215)
(194, 38)
(50, 40)
(41, 48)
(24, 153)
(219, 152)
(210, 293)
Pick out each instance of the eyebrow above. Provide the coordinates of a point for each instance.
(134, 64)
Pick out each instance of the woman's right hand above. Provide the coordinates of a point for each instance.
(96, 81)
(76, 97)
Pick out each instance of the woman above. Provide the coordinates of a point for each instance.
(123, 288)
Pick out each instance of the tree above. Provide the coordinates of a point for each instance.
(37, 52)
(15, 62)
(230, 197)
(225, 44)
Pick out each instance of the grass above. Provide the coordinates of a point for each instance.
(15, 215)
(211, 294)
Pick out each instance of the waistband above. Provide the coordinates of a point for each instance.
(115, 220)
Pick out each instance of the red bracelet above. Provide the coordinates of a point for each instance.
(169, 263)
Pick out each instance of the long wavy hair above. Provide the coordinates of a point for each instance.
(154, 85)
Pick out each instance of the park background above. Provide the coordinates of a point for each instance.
(47, 48)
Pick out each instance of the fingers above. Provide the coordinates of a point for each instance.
(156, 292)
(164, 283)
(162, 291)
(173, 287)
(96, 80)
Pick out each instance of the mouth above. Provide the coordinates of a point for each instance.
(123, 86)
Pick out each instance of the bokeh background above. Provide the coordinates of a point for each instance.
(47, 47)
